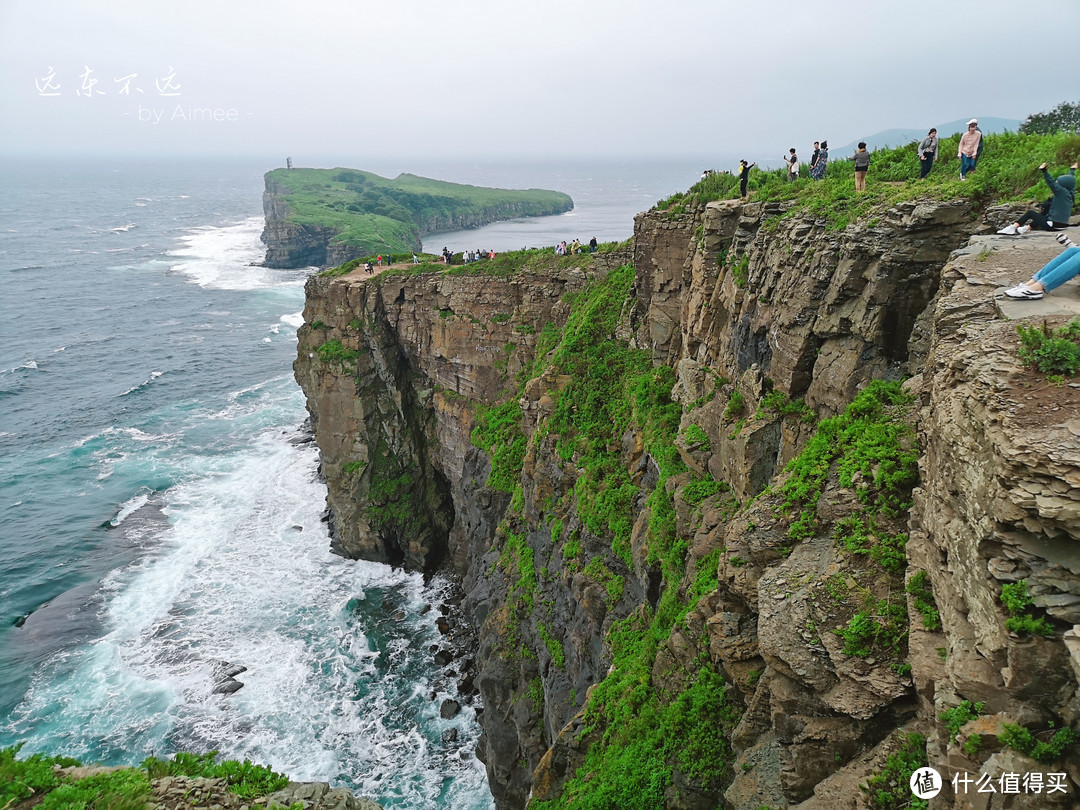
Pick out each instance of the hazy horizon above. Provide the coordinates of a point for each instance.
(351, 83)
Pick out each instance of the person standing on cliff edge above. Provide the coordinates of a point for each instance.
(970, 148)
(862, 164)
(928, 150)
(821, 163)
(744, 175)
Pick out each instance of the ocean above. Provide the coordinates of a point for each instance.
(161, 510)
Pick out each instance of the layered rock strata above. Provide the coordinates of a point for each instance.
(755, 305)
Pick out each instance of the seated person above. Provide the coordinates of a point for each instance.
(1053, 275)
(1061, 205)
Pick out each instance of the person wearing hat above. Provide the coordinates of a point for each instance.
(970, 148)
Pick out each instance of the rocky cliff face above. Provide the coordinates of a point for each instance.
(289, 245)
(790, 589)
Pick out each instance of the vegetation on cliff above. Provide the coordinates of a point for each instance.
(613, 388)
(641, 732)
(1055, 352)
(1007, 170)
(373, 214)
(39, 780)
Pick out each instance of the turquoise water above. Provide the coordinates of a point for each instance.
(161, 513)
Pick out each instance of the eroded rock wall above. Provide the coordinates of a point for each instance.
(756, 307)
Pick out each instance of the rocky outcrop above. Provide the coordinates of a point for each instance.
(189, 792)
(768, 321)
(290, 245)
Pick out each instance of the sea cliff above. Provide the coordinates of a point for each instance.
(325, 217)
(751, 511)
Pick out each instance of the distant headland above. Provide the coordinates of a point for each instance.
(325, 217)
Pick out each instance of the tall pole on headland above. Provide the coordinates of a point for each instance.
(288, 163)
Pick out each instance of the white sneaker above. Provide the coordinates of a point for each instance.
(1065, 241)
(1008, 230)
(1022, 230)
(1023, 293)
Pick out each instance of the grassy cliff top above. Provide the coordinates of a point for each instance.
(375, 214)
(1008, 170)
(506, 264)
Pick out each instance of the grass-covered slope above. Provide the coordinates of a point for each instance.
(37, 781)
(375, 215)
(1007, 171)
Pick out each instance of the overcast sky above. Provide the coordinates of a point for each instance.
(539, 79)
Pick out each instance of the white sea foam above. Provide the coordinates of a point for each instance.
(153, 376)
(129, 506)
(336, 651)
(295, 319)
(29, 365)
(223, 258)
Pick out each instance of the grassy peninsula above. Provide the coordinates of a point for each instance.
(372, 214)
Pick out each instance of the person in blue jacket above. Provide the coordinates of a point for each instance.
(1061, 205)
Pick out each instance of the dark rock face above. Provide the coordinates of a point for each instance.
(817, 315)
(289, 245)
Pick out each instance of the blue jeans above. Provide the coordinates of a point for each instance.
(966, 165)
(1059, 270)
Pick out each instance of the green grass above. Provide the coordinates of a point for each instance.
(1015, 598)
(498, 432)
(613, 388)
(632, 767)
(333, 352)
(923, 598)
(777, 402)
(958, 716)
(246, 779)
(701, 489)
(874, 452)
(374, 214)
(1045, 751)
(554, 646)
(889, 789)
(1008, 170)
(126, 789)
(696, 438)
(736, 405)
(1051, 351)
(881, 627)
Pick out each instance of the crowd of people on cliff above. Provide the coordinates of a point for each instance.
(1053, 215)
(575, 247)
(969, 150)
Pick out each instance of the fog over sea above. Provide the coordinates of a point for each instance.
(160, 512)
